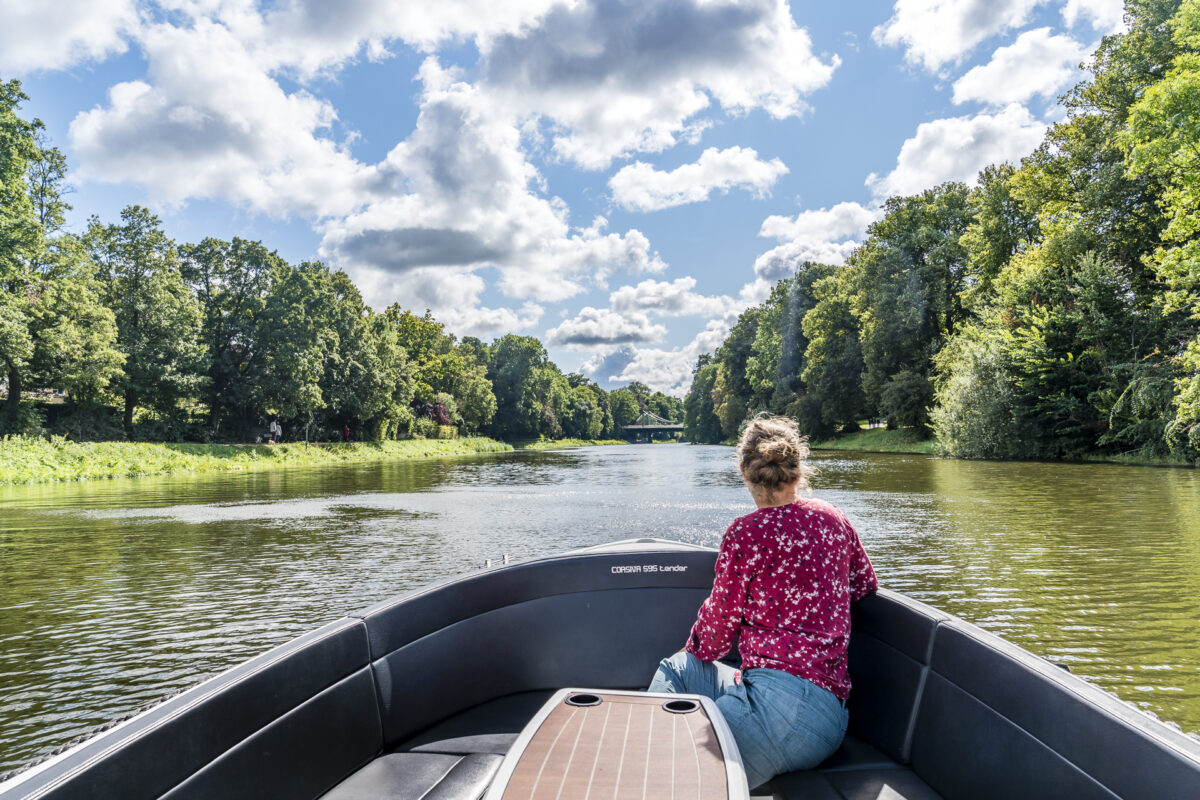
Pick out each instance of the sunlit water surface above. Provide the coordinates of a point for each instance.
(114, 593)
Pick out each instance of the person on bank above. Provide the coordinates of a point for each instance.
(785, 577)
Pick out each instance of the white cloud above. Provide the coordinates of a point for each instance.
(667, 371)
(669, 298)
(824, 236)
(1107, 16)
(211, 124)
(641, 187)
(311, 38)
(56, 34)
(602, 326)
(956, 149)
(937, 32)
(1036, 63)
(452, 295)
(616, 77)
(460, 193)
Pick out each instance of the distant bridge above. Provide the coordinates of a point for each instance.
(650, 424)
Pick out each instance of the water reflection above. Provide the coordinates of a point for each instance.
(114, 593)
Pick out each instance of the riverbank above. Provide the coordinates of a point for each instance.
(881, 440)
(35, 460)
(907, 440)
(560, 444)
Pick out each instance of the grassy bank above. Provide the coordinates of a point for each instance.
(558, 444)
(34, 460)
(880, 440)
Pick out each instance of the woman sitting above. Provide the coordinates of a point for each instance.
(786, 575)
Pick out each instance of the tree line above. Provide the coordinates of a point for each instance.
(124, 333)
(1049, 311)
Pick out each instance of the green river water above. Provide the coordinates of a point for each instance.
(114, 593)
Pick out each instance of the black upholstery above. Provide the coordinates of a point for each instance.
(299, 755)
(890, 642)
(154, 752)
(486, 728)
(996, 721)
(419, 776)
(396, 623)
(537, 644)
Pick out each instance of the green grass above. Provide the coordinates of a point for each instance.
(35, 460)
(557, 444)
(880, 440)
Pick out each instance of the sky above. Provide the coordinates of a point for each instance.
(620, 178)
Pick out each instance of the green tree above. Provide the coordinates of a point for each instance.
(999, 228)
(520, 387)
(700, 422)
(231, 280)
(1163, 145)
(833, 360)
(54, 332)
(625, 408)
(158, 319)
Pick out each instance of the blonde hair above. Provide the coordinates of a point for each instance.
(771, 452)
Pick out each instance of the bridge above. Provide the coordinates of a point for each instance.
(649, 424)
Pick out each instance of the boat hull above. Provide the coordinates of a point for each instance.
(433, 682)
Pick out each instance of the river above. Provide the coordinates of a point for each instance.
(114, 593)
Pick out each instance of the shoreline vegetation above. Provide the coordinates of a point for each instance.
(910, 441)
(28, 460)
(565, 444)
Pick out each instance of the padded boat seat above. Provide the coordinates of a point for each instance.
(420, 776)
(857, 771)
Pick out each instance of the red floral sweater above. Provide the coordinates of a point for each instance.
(785, 579)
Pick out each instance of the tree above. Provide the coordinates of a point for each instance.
(517, 363)
(1163, 144)
(700, 423)
(54, 332)
(909, 278)
(625, 408)
(158, 319)
(833, 360)
(231, 281)
(1000, 227)
(295, 339)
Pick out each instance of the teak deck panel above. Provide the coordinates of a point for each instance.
(625, 747)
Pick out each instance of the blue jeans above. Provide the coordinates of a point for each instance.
(780, 722)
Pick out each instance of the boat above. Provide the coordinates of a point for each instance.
(423, 696)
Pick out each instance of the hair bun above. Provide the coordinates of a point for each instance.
(777, 451)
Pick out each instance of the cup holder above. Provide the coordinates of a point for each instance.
(681, 706)
(583, 699)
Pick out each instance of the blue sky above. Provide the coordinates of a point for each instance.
(620, 178)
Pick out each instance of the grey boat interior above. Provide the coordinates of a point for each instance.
(421, 696)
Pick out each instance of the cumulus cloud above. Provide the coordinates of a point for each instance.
(616, 77)
(452, 295)
(641, 187)
(669, 298)
(60, 34)
(825, 236)
(459, 192)
(1107, 16)
(938, 32)
(663, 370)
(1037, 63)
(956, 149)
(316, 38)
(210, 123)
(602, 326)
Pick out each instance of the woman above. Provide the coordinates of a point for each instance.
(786, 575)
